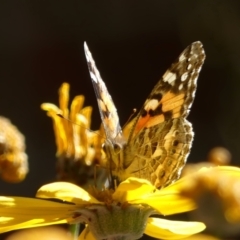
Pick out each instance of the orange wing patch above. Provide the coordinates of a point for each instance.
(173, 103)
(159, 111)
(148, 121)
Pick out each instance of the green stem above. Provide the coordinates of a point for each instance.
(74, 229)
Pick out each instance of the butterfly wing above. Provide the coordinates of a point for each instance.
(115, 141)
(106, 106)
(160, 137)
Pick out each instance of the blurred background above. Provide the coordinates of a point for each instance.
(133, 43)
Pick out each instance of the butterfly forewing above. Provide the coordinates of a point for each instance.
(106, 106)
(173, 95)
(159, 138)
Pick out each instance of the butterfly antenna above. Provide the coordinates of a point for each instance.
(69, 120)
(130, 117)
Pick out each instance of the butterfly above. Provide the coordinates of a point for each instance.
(156, 143)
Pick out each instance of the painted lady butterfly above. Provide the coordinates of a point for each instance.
(156, 143)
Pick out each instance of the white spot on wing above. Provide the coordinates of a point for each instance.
(169, 77)
(189, 66)
(93, 77)
(184, 76)
(94, 73)
(180, 87)
(151, 104)
(182, 58)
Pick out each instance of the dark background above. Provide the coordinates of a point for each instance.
(133, 43)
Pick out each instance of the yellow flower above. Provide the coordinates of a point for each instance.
(217, 196)
(218, 156)
(78, 148)
(125, 213)
(202, 237)
(13, 159)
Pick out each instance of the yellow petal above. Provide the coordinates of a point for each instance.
(133, 188)
(43, 233)
(87, 113)
(165, 229)
(171, 195)
(181, 184)
(61, 137)
(166, 204)
(30, 208)
(86, 235)
(141, 191)
(19, 212)
(229, 170)
(50, 108)
(201, 237)
(76, 106)
(28, 224)
(64, 98)
(66, 192)
(7, 203)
